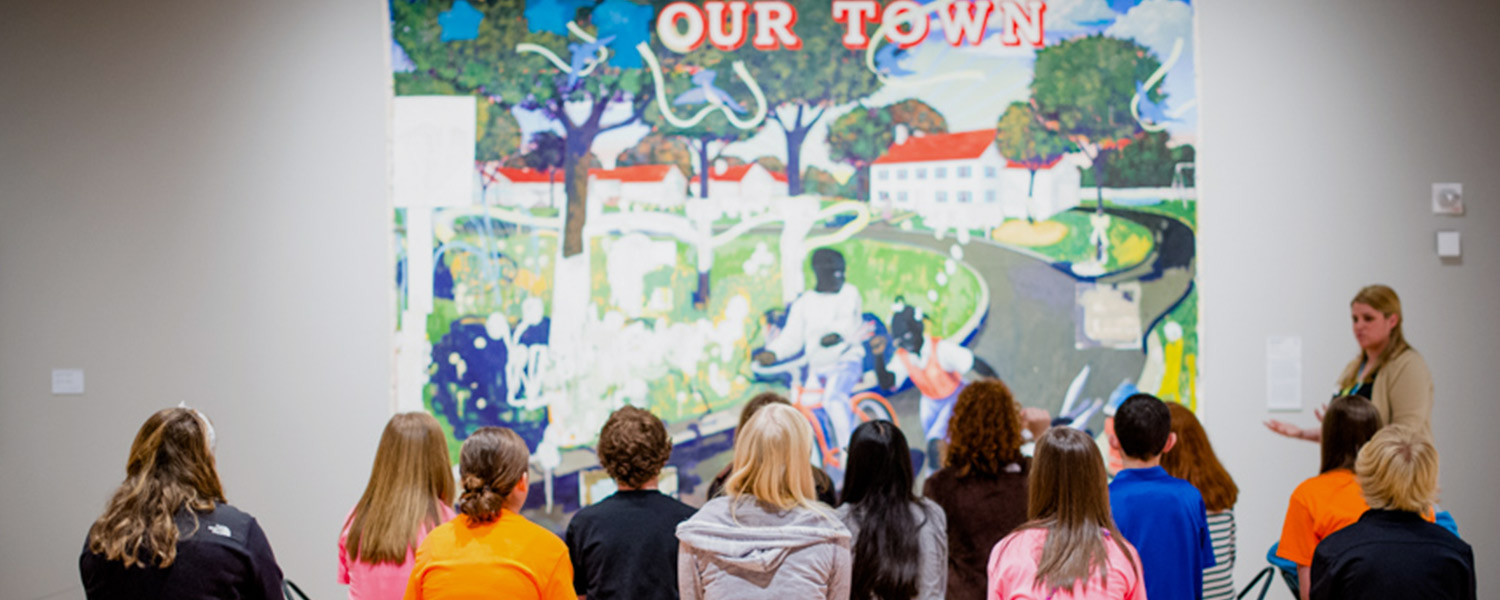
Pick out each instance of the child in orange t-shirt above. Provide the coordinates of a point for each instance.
(1332, 500)
(490, 550)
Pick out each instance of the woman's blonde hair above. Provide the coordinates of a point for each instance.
(409, 483)
(770, 459)
(1398, 470)
(1385, 301)
(170, 469)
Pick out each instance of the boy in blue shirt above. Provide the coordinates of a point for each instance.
(1161, 515)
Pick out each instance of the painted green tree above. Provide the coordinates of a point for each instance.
(1022, 139)
(862, 135)
(657, 149)
(1149, 162)
(488, 64)
(1082, 89)
(801, 85)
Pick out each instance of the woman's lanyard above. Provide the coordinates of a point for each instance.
(1360, 382)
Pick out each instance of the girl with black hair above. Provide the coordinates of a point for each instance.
(900, 541)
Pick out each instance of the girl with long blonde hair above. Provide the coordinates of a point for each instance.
(1069, 547)
(409, 493)
(168, 531)
(768, 537)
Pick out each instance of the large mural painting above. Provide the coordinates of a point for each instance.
(858, 204)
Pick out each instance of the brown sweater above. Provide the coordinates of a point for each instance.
(981, 510)
(1403, 390)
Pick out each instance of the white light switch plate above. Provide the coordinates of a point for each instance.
(1448, 244)
(67, 382)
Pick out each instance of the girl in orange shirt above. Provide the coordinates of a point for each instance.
(490, 550)
(1332, 500)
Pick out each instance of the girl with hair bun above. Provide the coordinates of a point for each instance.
(489, 550)
(409, 493)
(168, 532)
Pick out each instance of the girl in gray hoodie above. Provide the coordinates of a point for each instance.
(767, 538)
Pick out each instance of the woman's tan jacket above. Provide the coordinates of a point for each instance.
(1403, 390)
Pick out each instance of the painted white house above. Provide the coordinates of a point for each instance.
(652, 186)
(644, 186)
(960, 180)
(742, 182)
(1059, 185)
(519, 188)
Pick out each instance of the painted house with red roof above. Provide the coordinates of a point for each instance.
(646, 186)
(748, 187)
(653, 186)
(955, 180)
(499, 185)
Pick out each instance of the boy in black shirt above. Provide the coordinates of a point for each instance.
(626, 545)
(1392, 551)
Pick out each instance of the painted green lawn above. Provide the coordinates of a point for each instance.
(1129, 242)
(881, 271)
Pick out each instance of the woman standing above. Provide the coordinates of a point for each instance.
(1070, 547)
(1387, 371)
(900, 540)
(409, 493)
(1193, 459)
(767, 538)
(982, 485)
(168, 532)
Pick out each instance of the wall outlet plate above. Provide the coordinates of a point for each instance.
(1448, 199)
(1448, 244)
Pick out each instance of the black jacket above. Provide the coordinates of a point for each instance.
(1393, 554)
(225, 557)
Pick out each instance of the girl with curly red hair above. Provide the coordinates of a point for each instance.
(982, 485)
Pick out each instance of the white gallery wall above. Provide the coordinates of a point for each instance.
(1325, 125)
(193, 208)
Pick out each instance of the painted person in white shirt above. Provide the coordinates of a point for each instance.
(935, 366)
(826, 325)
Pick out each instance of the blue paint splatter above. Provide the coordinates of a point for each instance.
(460, 22)
(630, 24)
(400, 61)
(552, 16)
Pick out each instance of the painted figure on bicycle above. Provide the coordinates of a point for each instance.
(825, 326)
(935, 367)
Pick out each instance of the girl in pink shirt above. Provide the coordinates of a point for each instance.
(410, 492)
(1070, 548)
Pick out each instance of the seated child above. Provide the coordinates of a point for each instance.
(625, 546)
(490, 550)
(1162, 516)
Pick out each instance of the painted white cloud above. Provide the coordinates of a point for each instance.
(994, 46)
(1071, 15)
(1157, 24)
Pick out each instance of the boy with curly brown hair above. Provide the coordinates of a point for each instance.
(625, 546)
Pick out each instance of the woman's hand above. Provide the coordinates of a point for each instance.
(1293, 431)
